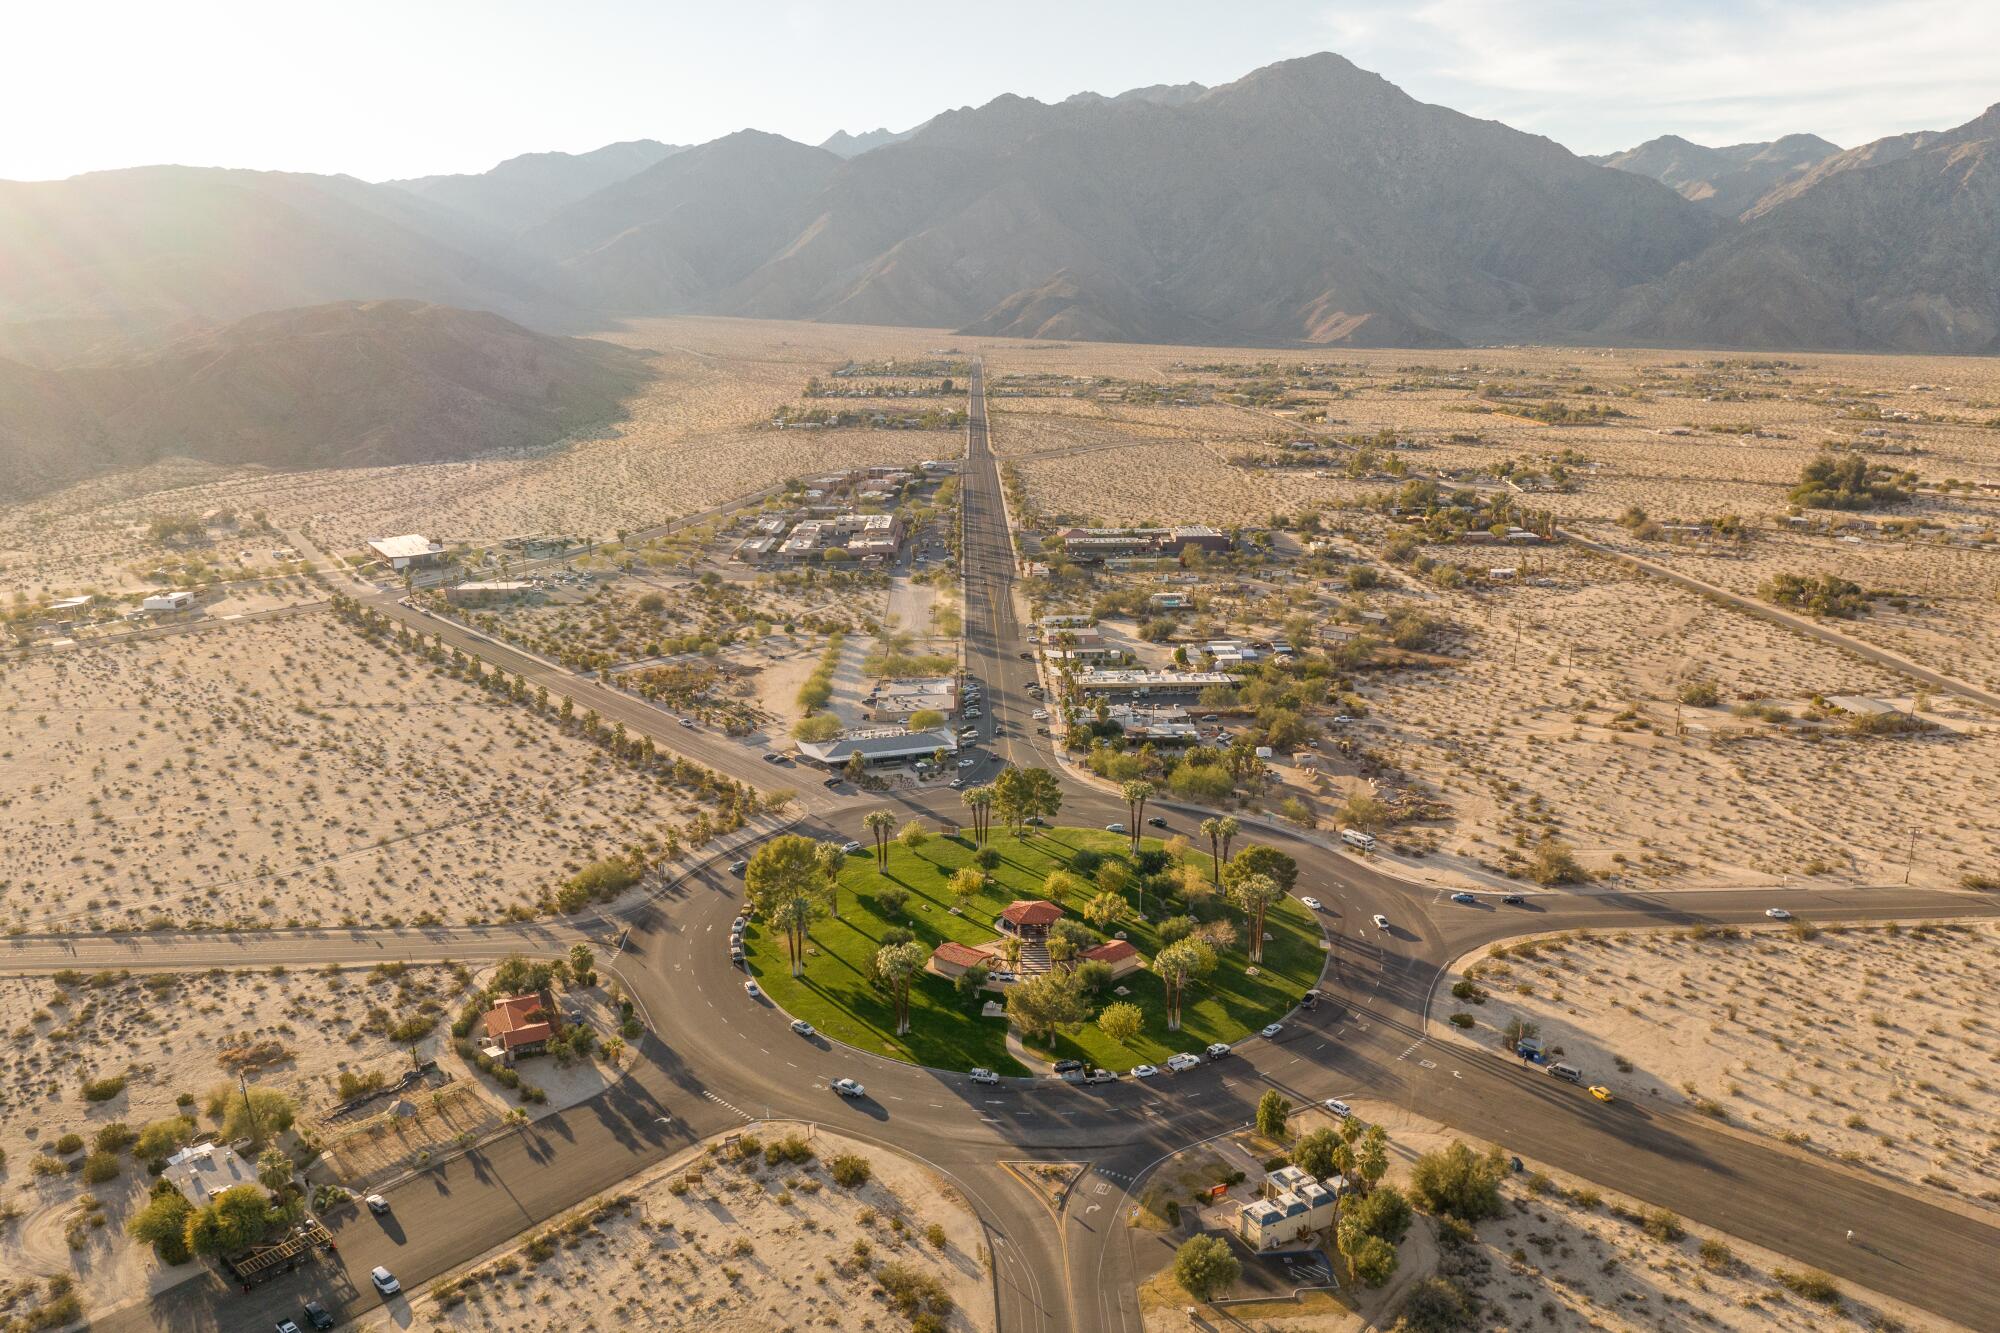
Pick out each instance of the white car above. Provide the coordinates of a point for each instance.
(1338, 1107)
(1144, 1071)
(1114, 828)
(967, 763)
(1217, 1049)
(1381, 922)
(1313, 903)
(1183, 1062)
(376, 1204)
(985, 1078)
(1039, 714)
(847, 1087)
(850, 847)
(385, 1281)
(1777, 914)
(803, 1028)
(750, 989)
(1270, 1030)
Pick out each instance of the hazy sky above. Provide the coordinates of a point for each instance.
(383, 88)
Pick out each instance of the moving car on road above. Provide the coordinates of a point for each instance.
(1312, 903)
(1602, 1093)
(1114, 828)
(1157, 822)
(803, 1028)
(750, 989)
(1338, 1107)
(847, 1087)
(385, 1281)
(376, 1204)
(985, 1078)
(1777, 914)
(738, 867)
(289, 1326)
(1381, 922)
(1463, 898)
(1514, 900)
(1270, 1030)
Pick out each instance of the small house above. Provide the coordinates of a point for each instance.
(520, 1025)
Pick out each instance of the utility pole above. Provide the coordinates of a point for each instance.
(1910, 860)
(243, 1082)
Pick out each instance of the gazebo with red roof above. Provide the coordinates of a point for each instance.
(1029, 918)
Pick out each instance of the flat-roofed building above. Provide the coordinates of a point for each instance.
(1134, 680)
(411, 551)
(878, 747)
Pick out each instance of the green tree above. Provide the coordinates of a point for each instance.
(1136, 794)
(1457, 1182)
(1317, 1152)
(787, 886)
(1371, 1155)
(234, 1220)
(1438, 1305)
(266, 1113)
(1205, 1266)
(162, 1223)
(1382, 1212)
(582, 965)
(1371, 1260)
(898, 965)
(913, 834)
(966, 884)
(274, 1170)
(1260, 860)
(1211, 828)
(1046, 1003)
(1120, 1022)
(925, 719)
(817, 727)
(979, 800)
(1554, 863)
(1273, 1111)
(878, 823)
(1104, 910)
(159, 1139)
(857, 768)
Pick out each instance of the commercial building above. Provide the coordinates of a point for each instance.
(1137, 681)
(1294, 1208)
(411, 551)
(900, 700)
(168, 601)
(487, 593)
(879, 747)
(1105, 543)
(862, 536)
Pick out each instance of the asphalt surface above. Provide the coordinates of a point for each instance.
(715, 1059)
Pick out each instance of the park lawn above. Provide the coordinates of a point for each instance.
(947, 1032)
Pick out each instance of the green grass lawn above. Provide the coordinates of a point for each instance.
(947, 1032)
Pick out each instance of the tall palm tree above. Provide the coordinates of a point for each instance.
(1211, 828)
(1228, 829)
(878, 823)
(830, 859)
(1136, 794)
(980, 801)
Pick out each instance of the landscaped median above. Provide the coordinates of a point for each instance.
(930, 889)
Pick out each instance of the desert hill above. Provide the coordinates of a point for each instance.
(153, 249)
(842, 144)
(523, 191)
(332, 385)
(1725, 181)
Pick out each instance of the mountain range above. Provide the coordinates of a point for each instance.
(1309, 203)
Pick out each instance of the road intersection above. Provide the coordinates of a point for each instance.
(714, 1059)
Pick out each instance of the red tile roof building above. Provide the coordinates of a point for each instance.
(520, 1021)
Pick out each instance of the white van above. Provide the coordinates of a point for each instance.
(1567, 1073)
(1354, 837)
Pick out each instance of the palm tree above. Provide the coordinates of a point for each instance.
(787, 885)
(831, 859)
(980, 801)
(1228, 828)
(1136, 795)
(1010, 950)
(1211, 828)
(898, 964)
(878, 823)
(1255, 894)
(1178, 966)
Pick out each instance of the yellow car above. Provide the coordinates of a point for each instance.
(1602, 1093)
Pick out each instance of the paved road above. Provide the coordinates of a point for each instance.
(716, 1059)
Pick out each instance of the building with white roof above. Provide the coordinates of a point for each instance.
(410, 551)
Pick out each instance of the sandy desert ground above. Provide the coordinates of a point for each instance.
(286, 772)
(1566, 1254)
(169, 1036)
(723, 1239)
(1865, 1044)
(695, 437)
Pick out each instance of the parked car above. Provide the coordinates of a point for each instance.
(750, 989)
(1183, 1062)
(289, 1326)
(376, 1204)
(1338, 1107)
(1310, 1000)
(803, 1028)
(1270, 1030)
(985, 1078)
(1100, 1076)
(739, 923)
(1463, 898)
(1069, 1071)
(1027, 657)
(1381, 922)
(830, 783)
(847, 1087)
(385, 1281)
(1144, 1071)
(1217, 1049)
(769, 758)
(1777, 914)
(1313, 903)
(736, 953)
(318, 1315)
(1567, 1073)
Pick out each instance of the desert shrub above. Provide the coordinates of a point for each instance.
(913, 1291)
(1809, 1283)
(1699, 693)
(1834, 481)
(69, 1143)
(1436, 1305)
(100, 1167)
(1716, 1256)
(1456, 1181)
(1817, 594)
(1461, 1020)
(103, 1089)
(1662, 1224)
(850, 1170)
(114, 1137)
